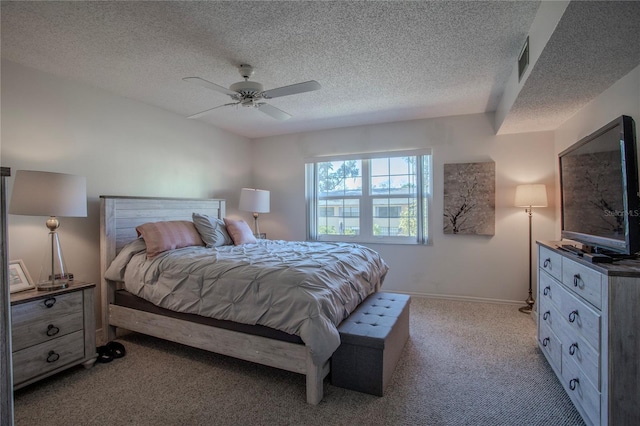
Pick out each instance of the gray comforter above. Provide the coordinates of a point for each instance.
(301, 288)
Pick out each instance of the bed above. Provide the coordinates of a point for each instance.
(260, 338)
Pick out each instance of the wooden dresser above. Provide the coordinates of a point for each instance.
(589, 331)
(52, 331)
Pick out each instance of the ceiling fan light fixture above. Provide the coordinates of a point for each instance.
(247, 88)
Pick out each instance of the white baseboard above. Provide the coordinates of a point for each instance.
(460, 298)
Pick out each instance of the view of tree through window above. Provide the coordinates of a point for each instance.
(370, 199)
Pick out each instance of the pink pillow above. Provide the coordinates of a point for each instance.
(162, 236)
(239, 231)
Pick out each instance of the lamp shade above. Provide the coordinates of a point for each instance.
(254, 200)
(48, 194)
(531, 195)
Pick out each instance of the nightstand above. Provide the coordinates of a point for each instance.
(52, 331)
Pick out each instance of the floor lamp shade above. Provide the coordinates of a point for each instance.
(50, 194)
(256, 201)
(531, 195)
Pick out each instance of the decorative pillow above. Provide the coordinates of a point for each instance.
(163, 236)
(240, 232)
(212, 230)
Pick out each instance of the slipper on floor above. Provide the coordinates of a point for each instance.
(117, 349)
(104, 354)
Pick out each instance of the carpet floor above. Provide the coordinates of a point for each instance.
(465, 363)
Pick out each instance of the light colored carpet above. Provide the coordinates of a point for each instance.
(464, 364)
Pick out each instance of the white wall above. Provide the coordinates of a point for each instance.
(123, 147)
(479, 267)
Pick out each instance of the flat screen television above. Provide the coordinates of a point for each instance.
(599, 190)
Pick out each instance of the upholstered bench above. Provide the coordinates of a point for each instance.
(371, 339)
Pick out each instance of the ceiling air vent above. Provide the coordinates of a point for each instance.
(523, 59)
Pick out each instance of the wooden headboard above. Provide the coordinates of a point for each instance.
(119, 217)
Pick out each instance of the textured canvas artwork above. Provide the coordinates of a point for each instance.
(469, 198)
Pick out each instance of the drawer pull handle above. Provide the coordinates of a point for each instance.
(573, 383)
(572, 348)
(547, 263)
(572, 316)
(545, 342)
(576, 280)
(52, 330)
(50, 302)
(546, 315)
(546, 290)
(53, 357)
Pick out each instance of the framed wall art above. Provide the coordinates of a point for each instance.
(19, 278)
(470, 198)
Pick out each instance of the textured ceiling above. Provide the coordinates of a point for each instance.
(376, 61)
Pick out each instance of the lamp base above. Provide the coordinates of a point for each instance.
(529, 308)
(52, 285)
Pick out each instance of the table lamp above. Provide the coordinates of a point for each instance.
(256, 201)
(50, 194)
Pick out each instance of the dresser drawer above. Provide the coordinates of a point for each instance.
(550, 261)
(581, 318)
(574, 346)
(550, 316)
(581, 390)
(548, 289)
(47, 356)
(583, 281)
(46, 309)
(40, 330)
(550, 345)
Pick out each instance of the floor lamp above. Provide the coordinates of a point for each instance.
(256, 201)
(50, 194)
(530, 196)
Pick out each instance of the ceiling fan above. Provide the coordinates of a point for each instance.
(251, 93)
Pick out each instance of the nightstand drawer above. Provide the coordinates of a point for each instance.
(42, 329)
(47, 356)
(583, 281)
(46, 309)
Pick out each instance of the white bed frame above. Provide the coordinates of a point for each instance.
(119, 217)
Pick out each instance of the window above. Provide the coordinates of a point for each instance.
(372, 198)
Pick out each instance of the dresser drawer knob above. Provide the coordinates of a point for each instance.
(573, 383)
(576, 280)
(52, 330)
(52, 357)
(50, 302)
(572, 316)
(547, 263)
(546, 290)
(546, 315)
(572, 348)
(545, 342)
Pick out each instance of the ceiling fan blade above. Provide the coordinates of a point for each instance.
(209, 85)
(307, 86)
(274, 112)
(205, 112)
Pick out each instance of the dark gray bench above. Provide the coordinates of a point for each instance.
(371, 339)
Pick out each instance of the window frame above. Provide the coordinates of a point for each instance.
(423, 197)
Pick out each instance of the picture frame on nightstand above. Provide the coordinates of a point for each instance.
(19, 278)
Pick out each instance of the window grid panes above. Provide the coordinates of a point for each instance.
(378, 199)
